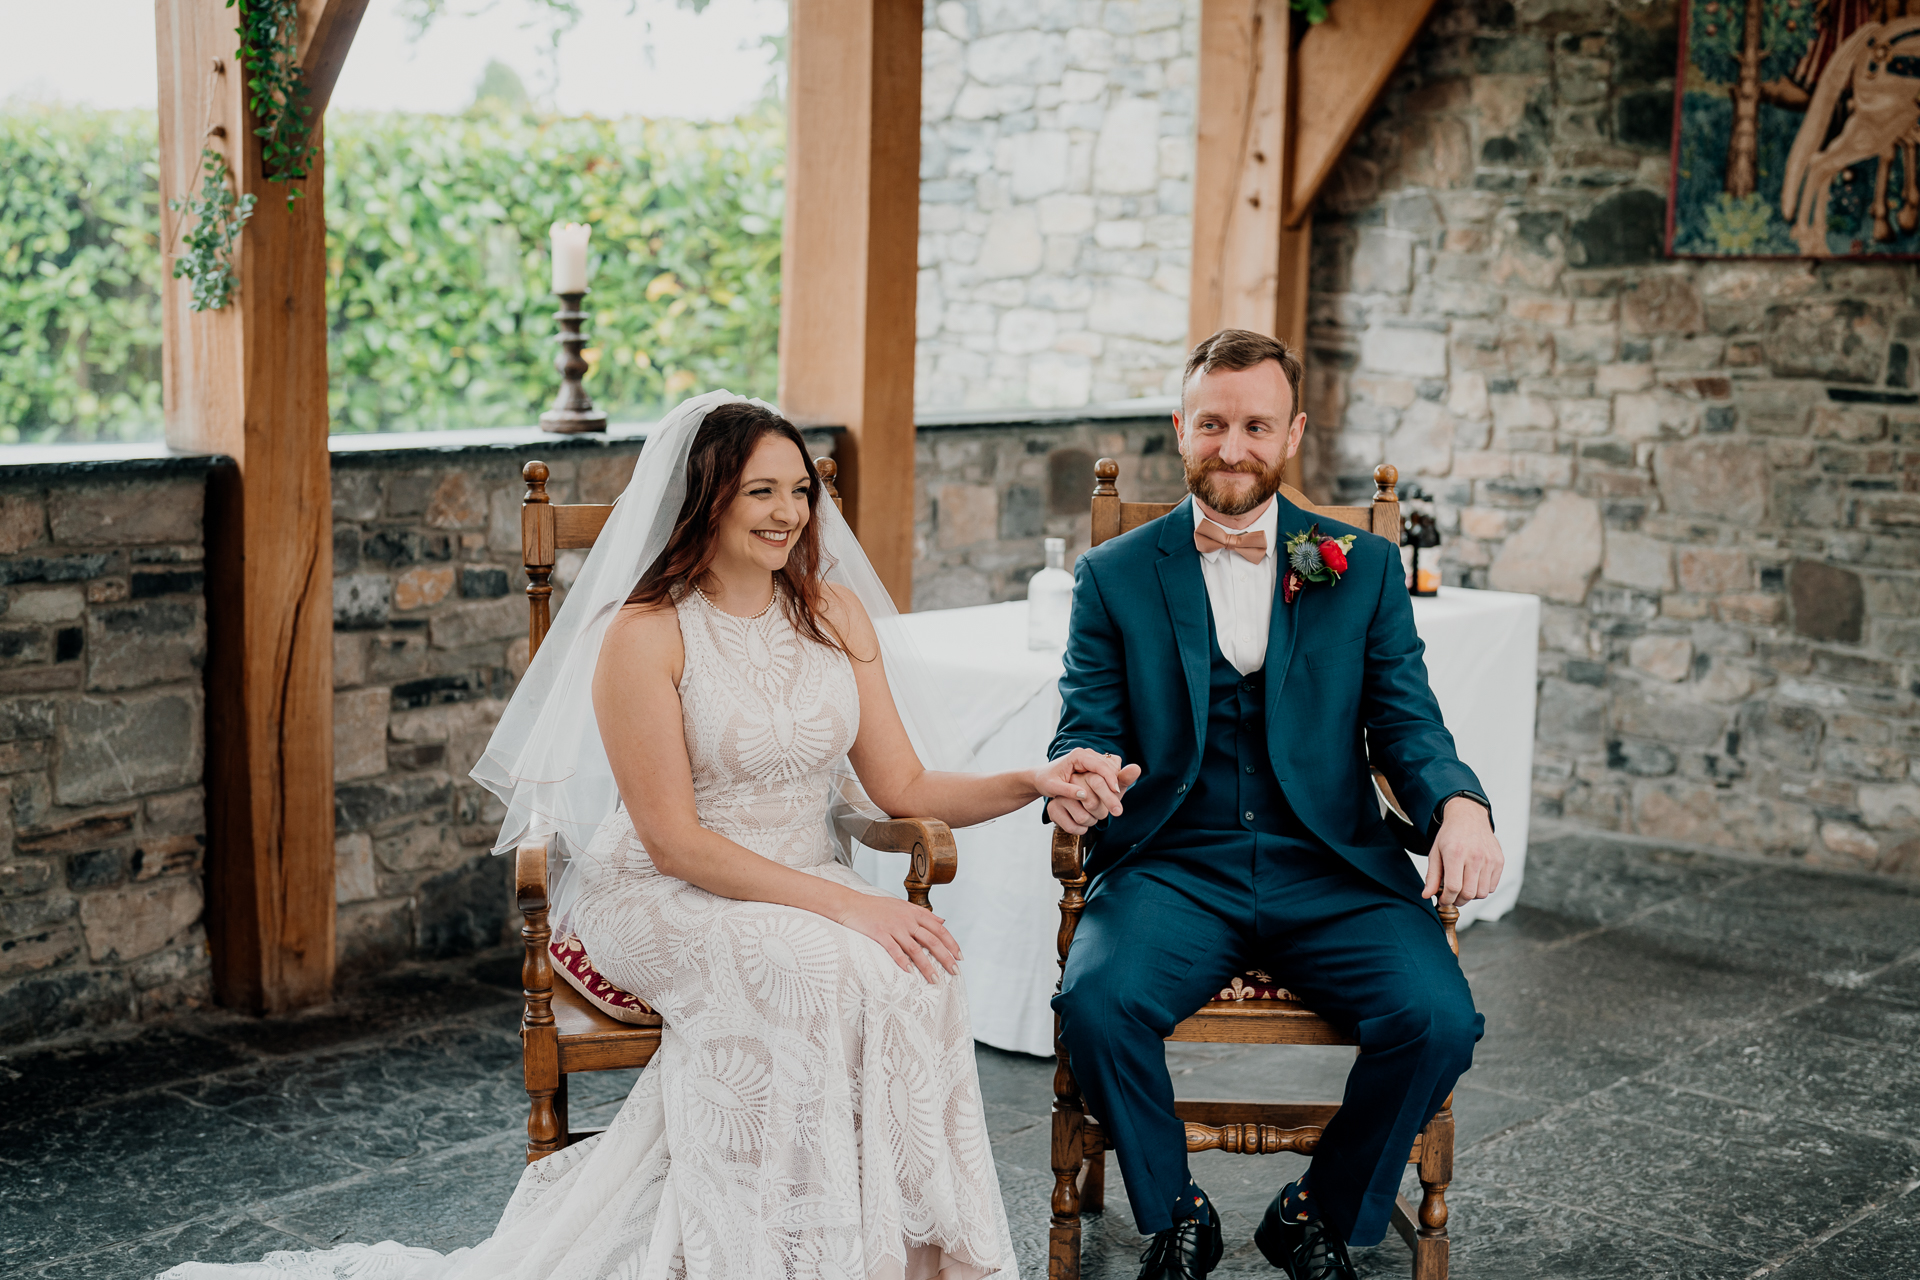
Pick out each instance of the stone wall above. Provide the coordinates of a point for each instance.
(1056, 162)
(1710, 471)
(990, 489)
(430, 634)
(102, 638)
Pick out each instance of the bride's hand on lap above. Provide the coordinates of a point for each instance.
(913, 936)
(1084, 787)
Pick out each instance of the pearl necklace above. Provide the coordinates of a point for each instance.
(736, 617)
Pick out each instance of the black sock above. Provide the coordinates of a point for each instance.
(1296, 1205)
(1192, 1203)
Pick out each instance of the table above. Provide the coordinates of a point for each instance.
(1482, 655)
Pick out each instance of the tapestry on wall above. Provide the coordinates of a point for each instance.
(1795, 127)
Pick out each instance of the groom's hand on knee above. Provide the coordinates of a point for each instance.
(1465, 862)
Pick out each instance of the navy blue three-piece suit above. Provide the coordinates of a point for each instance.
(1253, 839)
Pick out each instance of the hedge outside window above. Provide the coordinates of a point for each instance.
(438, 309)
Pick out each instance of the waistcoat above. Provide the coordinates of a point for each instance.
(1236, 790)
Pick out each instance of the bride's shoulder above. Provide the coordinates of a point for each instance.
(843, 611)
(645, 631)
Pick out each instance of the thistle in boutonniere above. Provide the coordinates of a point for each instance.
(1312, 558)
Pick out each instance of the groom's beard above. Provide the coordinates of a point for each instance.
(1203, 482)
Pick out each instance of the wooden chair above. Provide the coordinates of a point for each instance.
(1262, 1128)
(560, 1033)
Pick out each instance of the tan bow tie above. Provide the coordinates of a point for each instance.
(1252, 544)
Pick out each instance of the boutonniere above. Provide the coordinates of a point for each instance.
(1312, 558)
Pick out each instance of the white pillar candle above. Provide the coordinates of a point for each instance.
(570, 256)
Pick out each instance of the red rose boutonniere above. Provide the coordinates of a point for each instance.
(1312, 558)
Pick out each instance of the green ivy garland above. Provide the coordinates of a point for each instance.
(269, 33)
(217, 219)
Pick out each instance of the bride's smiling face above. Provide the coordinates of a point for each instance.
(769, 510)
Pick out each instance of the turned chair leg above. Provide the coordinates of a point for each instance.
(1069, 1128)
(1430, 1245)
(1093, 1178)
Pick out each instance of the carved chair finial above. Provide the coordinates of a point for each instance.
(535, 474)
(829, 472)
(1385, 477)
(1106, 475)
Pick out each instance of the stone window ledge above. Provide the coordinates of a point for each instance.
(154, 458)
(1118, 410)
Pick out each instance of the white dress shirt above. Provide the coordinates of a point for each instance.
(1241, 591)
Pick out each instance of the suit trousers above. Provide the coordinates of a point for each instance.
(1167, 928)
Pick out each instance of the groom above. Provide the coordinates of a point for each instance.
(1252, 700)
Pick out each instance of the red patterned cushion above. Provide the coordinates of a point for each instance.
(1255, 985)
(570, 962)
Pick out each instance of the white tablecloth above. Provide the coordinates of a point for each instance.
(1482, 655)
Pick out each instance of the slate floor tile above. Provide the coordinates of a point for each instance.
(1884, 1245)
(446, 1201)
(37, 1083)
(1521, 932)
(1588, 880)
(1499, 1236)
(117, 1172)
(233, 1237)
(1791, 1069)
(1745, 1180)
(1833, 927)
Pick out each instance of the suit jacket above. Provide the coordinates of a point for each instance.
(1344, 670)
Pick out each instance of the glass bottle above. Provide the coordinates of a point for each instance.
(1050, 600)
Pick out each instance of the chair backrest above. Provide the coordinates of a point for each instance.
(1112, 517)
(548, 528)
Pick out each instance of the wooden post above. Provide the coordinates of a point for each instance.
(849, 257)
(250, 381)
(1276, 108)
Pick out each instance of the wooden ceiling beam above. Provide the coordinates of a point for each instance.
(327, 28)
(849, 258)
(1341, 66)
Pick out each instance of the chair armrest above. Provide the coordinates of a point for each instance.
(935, 856)
(1066, 856)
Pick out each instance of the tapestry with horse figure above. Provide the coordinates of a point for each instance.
(1796, 123)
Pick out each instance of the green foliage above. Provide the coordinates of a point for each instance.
(1718, 31)
(217, 220)
(80, 271)
(438, 306)
(438, 273)
(269, 49)
(1315, 11)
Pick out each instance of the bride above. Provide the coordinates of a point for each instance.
(814, 1109)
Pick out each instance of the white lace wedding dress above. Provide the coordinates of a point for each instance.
(813, 1110)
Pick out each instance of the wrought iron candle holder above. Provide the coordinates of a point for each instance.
(572, 409)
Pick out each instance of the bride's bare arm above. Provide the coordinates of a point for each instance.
(636, 701)
(894, 778)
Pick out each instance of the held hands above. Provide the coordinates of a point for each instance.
(1085, 787)
(909, 933)
(1466, 861)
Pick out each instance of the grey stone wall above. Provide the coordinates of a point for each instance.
(102, 639)
(1710, 471)
(990, 489)
(430, 634)
(1056, 164)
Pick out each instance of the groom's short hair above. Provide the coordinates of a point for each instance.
(1241, 349)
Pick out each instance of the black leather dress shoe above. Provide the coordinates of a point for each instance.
(1304, 1250)
(1187, 1250)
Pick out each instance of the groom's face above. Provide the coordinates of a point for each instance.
(1237, 427)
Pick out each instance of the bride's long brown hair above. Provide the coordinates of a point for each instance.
(721, 449)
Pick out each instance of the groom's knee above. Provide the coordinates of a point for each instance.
(1440, 1022)
(1095, 1012)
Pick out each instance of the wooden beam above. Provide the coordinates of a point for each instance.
(1343, 63)
(327, 29)
(1239, 167)
(849, 257)
(250, 381)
